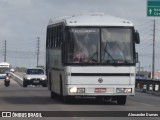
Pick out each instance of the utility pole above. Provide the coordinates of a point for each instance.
(139, 66)
(5, 50)
(153, 58)
(38, 44)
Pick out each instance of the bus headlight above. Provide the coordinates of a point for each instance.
(124, 90)
(77, 90)
(73, 90)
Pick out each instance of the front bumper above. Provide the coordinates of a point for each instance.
(35, 82)
(96, 90)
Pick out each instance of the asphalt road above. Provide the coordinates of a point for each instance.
(37, 99)
(17, 98)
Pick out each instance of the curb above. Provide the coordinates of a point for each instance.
(149, 92)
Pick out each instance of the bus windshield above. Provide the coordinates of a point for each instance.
(99, 45)
(116, 45)
(4, 70)
(35, 71)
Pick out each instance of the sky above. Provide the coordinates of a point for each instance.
(22, 21)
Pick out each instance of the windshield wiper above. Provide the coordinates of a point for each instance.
(92, 57)
(108, 54)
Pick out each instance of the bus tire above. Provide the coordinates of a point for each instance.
(61, 86)
(24, 84)
(121, 100)
(53, 95)
(99, 98)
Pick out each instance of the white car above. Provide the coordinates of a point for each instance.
(12, 70)
(34, 76)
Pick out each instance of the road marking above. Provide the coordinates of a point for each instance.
(78, 118)
(17, 76)
(147, 104)
(144, 104)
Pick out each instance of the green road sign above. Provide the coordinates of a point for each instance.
(153, 8)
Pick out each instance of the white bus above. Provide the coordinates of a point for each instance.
(79, 61)
(4, 68)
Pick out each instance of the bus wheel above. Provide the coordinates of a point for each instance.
(53, 95)
(24, 84)
(68, 99)
(121, 100)
(99, 98)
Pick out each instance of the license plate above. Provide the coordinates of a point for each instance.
(99, 90)
(36, 81)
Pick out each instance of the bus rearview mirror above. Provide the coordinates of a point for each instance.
(136, 37)
(136, 55)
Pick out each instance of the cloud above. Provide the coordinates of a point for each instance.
(21, 21)
(17, 3)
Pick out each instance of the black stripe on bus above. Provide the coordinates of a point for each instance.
(100, 74)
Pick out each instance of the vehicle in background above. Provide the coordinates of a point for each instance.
(79, 60)
(12, 70)
(7, 80)
(34, 76)
(142, 77)
(4, 69)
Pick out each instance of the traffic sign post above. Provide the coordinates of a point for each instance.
(153, 8)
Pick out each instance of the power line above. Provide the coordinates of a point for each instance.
(145, 43)
(23, 52)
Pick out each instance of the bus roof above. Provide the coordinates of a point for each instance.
(4, 63)
(92, 20)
